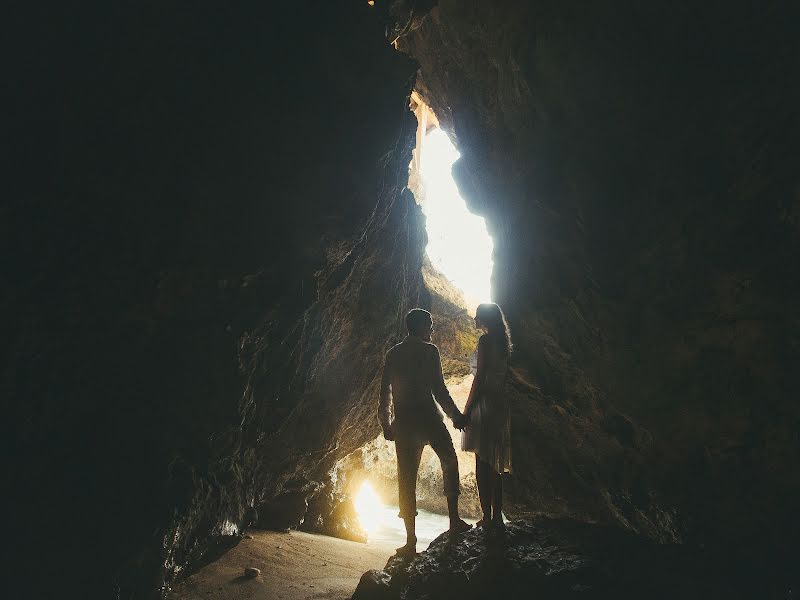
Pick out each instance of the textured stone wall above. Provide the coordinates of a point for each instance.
(637, 166)
(208, 250)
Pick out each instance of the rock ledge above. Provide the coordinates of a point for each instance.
(550, 558)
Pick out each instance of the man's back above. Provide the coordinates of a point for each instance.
(412, 376)
(413, 371)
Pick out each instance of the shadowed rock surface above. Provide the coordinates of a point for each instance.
(212, 250)
(561, 558)
(209, 246)
(637, 167)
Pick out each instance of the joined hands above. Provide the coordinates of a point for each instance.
(460, 421)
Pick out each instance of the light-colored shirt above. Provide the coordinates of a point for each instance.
(413, 371)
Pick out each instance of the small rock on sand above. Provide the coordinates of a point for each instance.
(252, 572)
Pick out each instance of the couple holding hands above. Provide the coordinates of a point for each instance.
(412, 378)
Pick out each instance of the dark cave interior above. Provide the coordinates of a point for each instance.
(210, 243)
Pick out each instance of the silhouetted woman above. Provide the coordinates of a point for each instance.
(488, 421)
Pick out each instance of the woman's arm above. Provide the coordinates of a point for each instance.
(480, 376)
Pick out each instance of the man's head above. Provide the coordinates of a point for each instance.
(420, 324)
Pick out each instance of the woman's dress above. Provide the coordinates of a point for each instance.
(488, 432)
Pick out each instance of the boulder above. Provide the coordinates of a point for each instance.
(333, 513)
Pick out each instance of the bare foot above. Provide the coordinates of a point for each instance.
(459, 526)
(410, 549)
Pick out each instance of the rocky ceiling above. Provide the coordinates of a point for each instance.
(638, 168)
(210, 245)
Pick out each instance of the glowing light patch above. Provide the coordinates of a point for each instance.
(369, 507)
(458, 243)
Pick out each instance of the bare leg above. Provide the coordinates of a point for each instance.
(408, 457)
(411, 536)
(442, 445)
(497, 497)
(484, 489)
(457, 524)
(452, 509)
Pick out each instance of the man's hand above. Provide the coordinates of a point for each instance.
(388, 432)
(460, 421)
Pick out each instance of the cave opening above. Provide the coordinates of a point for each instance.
(459, 245)
(211, 242)
(457, 270)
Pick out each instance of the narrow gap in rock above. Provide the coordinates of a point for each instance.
(459, 245)
(457, 272)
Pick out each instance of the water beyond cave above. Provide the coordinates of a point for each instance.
(390, 529)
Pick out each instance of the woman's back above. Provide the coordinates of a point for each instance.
(495, 362)
(489, 431)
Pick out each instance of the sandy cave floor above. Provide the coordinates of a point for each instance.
(294, 566)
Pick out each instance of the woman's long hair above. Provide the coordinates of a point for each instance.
(490, 315)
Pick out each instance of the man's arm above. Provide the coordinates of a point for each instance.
(440, 391)
(384, 406)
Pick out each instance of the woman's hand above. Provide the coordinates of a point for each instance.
(461, 421)
(458, 422)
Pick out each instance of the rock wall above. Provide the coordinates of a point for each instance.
(208, 251)
(559, 558)
(456, 337)
(638, 169)
(209, 247)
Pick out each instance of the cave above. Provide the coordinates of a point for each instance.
(214, 225)
(456, 271)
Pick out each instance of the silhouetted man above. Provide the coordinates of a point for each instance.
(413, 371)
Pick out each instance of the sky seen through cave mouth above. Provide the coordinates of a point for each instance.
(459, 245)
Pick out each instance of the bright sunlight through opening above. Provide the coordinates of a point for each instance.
(459, 246)
(384, 528)
(369, 508)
